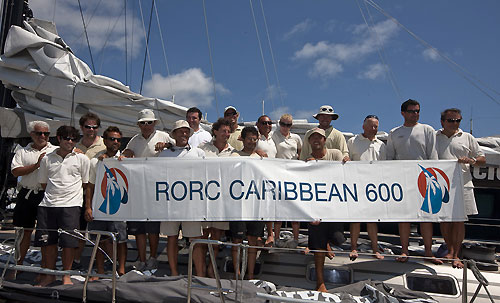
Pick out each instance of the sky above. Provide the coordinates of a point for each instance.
(315, 52)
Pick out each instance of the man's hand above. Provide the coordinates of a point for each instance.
(103, 156)
(77, 150)
(315, 222)
(40, 159)
(346, 158)
(88, 214)
(261, 153)
(162, 145)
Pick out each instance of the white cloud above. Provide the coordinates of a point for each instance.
(299, 28)
(430, 54)
(329, 57)
(191, 88)
(304, 114)
(325, 68)
(373, 72)
(105, 20)
(278, 112)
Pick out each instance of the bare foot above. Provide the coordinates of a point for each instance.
(67, 280)
(330, 254)
(378, 256)
(433, 260)
(403, 258)
(46, 280)
(457, 264)
(269, 242)
(353, 255)
(93, 279)
(321, 288)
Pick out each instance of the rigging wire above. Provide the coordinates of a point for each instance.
(108, 34)
(54, 12)
(87, 36)
(261, 53)
(164, 51)
(126, 46)
(88, 22)
(455, 66)
(146, 37)
(132, 45)
(272, 55)
(380, 50)
(210, 57)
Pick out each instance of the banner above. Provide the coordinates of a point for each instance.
(243, 188)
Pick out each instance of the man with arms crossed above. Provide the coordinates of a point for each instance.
(145, 144)
(193, 230)
(321, 233)
(453, 143)
(112, 139)
(200, 136)
(25, 164)
(366, 147)
(63, 174)
(413, 141)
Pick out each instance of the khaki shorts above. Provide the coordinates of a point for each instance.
(189, 228)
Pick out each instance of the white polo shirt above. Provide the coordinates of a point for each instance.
(143, 147)
(459, 145)
(64, 179)
(182, 152)
(212, 151)
(287, 147)
(198, 137)
(363, 149)
(29, 156)
(267, 145)
(412, 143)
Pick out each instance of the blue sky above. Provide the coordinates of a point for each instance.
(324, 54)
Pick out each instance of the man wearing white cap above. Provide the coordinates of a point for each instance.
(232, 115)
(334, 138)
(322, 233)
(140, 146)
(181, 133)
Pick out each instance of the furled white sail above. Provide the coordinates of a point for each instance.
(50, 83)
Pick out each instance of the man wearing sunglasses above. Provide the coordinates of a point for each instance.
(413, 141)
(334, 138)
(112, 139)
(63, 174)
(25, 164)
(146, 144)
(453, 143)
(266, 143)
(90, 144)
(231, 115)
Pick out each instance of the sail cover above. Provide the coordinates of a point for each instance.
(50, 83)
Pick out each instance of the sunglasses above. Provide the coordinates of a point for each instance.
(266, 122)
(453, 120)
(285, 124)
(229, 114)
(42, 133)
(326, 109)
(146, 122)
(413, 111)
(114, 139)
(69, 139)
(91, 126)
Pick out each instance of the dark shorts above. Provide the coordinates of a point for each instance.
(83, 222)
(320, 235)
(26, 208)
(240, 229)
(143, 227)
(118, 227)
(50, 219)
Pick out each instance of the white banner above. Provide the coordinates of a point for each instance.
(242, 188)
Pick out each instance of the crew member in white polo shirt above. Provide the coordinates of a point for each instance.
(25, 164)
(200, 136)
(454, 143)
(334, 138)
(63, 174)
(366, 147)
(218, 147)
(112, 139)
(193, 230)
(143, 145)
(413, 141)
(232, 115)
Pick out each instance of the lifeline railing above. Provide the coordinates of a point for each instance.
(74, 233)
